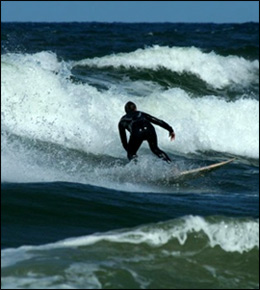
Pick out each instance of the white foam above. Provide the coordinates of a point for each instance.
(231, 236)
(210, 123)
(39, 102)
(218, 71)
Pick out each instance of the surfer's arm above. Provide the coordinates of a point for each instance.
(161, 123)
(122, 133)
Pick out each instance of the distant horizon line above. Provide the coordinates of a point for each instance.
(138, 22)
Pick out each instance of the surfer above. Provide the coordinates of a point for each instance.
(140, 128)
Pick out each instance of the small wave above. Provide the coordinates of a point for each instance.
(232, 235)
(217, 71)
(93, 261)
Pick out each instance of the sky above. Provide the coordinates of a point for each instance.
(130, 11)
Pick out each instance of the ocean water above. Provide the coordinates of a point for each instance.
(74, 213)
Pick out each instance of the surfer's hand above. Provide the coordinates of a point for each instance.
(172, 136)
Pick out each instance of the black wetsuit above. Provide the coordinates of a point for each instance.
(140, 127)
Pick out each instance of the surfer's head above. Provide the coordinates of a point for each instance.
(130, 107)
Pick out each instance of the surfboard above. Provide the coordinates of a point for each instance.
(201, 170)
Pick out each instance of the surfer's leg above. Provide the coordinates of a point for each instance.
(152, 140)
(133, 146)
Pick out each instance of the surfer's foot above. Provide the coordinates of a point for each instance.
(165, 157)
(133, 158)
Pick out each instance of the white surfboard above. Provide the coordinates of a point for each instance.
(201, 170)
